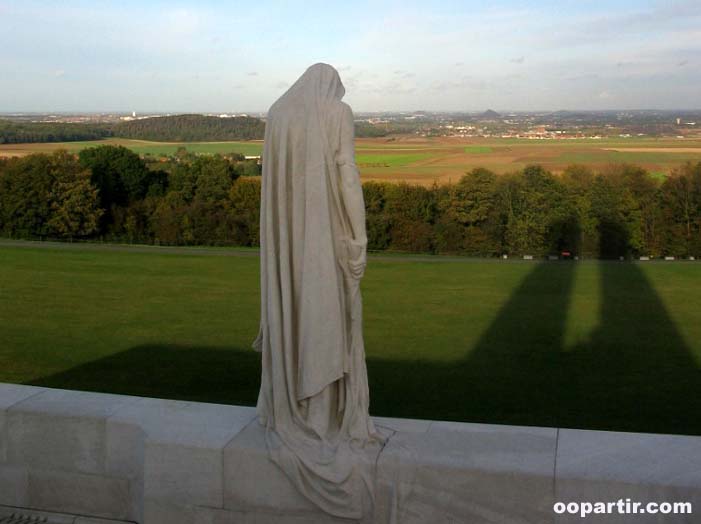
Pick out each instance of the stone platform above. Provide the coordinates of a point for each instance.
(89, 457)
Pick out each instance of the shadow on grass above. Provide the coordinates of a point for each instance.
(635, 373)
(225, 375)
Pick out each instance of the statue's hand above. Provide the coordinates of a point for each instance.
(356, 257)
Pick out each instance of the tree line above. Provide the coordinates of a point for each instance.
(109, 193)
(30, 132)
(191, 128)
(176, 128)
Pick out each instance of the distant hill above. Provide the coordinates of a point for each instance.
(489, 114)
(191, 128)
(29, 132)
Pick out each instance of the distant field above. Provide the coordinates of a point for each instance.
(425, 160)
(142, 147)
(598, 345)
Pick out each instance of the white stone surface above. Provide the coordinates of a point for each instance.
(218, 516)
(467, 473)
(77, 493)
(14, 482)
(405, 425)
(184, 443)
(177, 422)
(11, 394)
(607, 466)
(59, 429)
(160, 512)
(168, 462)
(252, 481)
(314, 392)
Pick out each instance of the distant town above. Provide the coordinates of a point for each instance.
(487, 124)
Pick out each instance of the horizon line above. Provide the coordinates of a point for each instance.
(435, 111)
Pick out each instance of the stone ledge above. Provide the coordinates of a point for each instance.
(171, 462)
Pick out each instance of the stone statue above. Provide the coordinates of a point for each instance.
(314, 393)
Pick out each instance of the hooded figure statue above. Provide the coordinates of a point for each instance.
(314, 395)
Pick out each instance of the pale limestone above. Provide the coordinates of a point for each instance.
(606, 466)
(465, 473)
(14, 482)
(405, 425)
(184, 443)
(630, 457)
(60, 429)
(219, 516)
(11, 394)
(186, 423)
(77, 493)
(253, 481)
(314, 392)
(184, 474)
(160, 512)
(125, 448)
(202, 468)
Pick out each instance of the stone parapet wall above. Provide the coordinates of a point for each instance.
(130, 459)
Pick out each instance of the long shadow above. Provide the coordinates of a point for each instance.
(512, 375)
(635, 373)
(225, 375)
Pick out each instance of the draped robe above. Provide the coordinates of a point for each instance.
(314, 395)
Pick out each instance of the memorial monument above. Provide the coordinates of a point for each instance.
(314, 393)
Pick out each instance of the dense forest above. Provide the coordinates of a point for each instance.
(191, 128)
(109, 193)
(28, 132)
(179, 128)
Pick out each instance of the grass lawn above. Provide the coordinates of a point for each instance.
(598, 345)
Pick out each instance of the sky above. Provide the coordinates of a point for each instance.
(231, 56)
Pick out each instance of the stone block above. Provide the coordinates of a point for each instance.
(11, 394)
(226, 516)
(80, 494)
(253, 482)
(405, 425)
(183, 451)
(184, 474)
(605, 466)
(63, 430)
(193, 424)
(160, 512)
(13, 485)
(467, 473)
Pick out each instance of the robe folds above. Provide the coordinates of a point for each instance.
(314, 395)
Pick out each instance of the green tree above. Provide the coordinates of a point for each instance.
(120, 175)
(377, 223)
(245, 211)
(75, 211)
(42, 195)
(411, 211)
